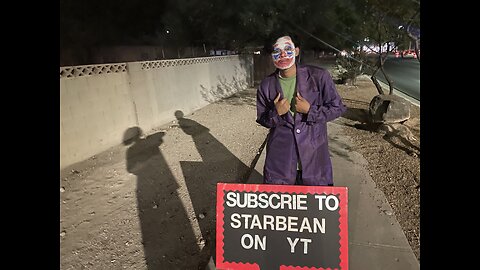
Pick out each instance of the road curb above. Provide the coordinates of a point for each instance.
(397, 92)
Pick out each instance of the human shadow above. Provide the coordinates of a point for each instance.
(218, 165)
(158, 204)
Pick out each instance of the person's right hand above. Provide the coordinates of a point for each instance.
(282, 106)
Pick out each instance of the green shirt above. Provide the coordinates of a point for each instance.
(288, 88)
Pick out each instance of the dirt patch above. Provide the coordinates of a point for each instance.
(393, 155)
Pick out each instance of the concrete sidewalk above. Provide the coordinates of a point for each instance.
(376, 240)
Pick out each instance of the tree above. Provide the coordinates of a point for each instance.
(387, 22)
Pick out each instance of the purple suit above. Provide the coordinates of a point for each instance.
(307, 133)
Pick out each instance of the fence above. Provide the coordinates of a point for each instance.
(98, 103)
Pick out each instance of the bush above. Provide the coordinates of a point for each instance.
(349, 68)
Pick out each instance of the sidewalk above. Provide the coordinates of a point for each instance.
(376, 240)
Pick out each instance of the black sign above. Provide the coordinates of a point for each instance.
(281, 227)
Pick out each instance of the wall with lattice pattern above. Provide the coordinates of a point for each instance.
(98, 103)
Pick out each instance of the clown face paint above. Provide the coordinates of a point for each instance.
(283, 54)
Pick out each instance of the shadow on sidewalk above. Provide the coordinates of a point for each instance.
(158, 203)
(218, 165)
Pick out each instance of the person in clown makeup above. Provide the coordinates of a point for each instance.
(295, 103)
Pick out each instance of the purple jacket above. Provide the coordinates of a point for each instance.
(307, 133)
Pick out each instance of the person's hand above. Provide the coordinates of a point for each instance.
(301, 104)
(282, 106)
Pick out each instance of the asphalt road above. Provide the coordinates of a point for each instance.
(405, 74)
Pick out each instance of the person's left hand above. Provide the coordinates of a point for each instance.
(301, 104)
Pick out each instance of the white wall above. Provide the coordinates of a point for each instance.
(97, 107)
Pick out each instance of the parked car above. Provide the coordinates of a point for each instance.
(409, 54)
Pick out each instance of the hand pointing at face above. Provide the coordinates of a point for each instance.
(301, 104)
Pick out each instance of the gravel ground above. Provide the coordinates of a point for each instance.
(393, 155)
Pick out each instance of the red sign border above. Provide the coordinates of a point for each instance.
(343, 212)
